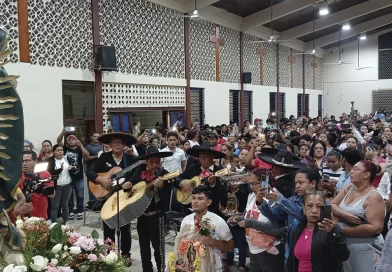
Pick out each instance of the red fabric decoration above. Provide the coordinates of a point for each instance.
(147, 175)
(206, 173)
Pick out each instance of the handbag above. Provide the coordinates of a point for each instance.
(258, 238)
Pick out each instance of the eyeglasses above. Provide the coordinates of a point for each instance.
(27, 161)
(254, 184)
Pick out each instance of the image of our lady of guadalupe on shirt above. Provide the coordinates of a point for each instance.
(189, 254)
(72, 159)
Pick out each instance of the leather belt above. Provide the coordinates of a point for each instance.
(151, 213)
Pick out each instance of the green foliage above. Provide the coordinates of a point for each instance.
(57, 236)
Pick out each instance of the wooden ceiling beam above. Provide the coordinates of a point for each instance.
(331, 19)
(280, 10)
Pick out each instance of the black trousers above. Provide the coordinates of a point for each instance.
(126, 240)
(151, 229)
(265, 262)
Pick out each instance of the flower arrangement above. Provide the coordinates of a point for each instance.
(58, 248)
(205, 227)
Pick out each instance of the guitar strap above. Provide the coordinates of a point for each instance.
(156, 191)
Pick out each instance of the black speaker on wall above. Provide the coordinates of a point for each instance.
(247, 77)
(107, 58)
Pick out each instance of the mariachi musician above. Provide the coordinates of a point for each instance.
(117, 157)
(205, 171)
(150, 225)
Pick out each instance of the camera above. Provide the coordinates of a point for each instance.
(35, 183)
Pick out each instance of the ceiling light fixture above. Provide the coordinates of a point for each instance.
(323, 8)
(346, 26)
(363, 36)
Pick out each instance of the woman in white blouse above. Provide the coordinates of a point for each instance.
(58, 166)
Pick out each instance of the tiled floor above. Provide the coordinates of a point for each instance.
(94, 222)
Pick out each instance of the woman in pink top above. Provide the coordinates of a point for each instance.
(317, 246)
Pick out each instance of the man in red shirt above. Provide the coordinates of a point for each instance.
(214, 141)
(39, 202)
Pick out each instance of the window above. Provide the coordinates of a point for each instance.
(300, 110)
(320, 105)
(197, 105)
(282, 104)
(248, 106)
(234, 106)
(121, 122)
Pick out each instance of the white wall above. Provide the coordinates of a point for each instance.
(344, 83)
(40, 89)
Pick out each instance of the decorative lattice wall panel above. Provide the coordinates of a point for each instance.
(298, 70)
(308, 72)
(61, 33)
(251, 58)
(382, 99)
(269, 64)
(149, 38)
(133, 96)
(320, 73)
(230, 55)
(284, 67)
(9, 21)
(202, 52)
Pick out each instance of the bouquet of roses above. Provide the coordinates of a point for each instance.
(204, 226)
(67, 250)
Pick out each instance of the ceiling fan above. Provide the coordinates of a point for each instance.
(359, 67)
(273, 38)
(195, 14)
(340, 62)
(313, 52)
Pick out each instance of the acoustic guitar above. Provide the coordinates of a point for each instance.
(186, 197)
(132, 204)
(101, 192)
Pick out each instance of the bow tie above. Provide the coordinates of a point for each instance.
(205, 173)
(147, 175)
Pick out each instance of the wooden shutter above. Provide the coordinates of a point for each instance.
(282, 103)
(234, 106)
(197, 105)
(248, 106)
(300, 110)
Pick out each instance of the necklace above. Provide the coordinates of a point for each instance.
(307, 232)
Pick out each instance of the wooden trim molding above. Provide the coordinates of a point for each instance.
(23, 28)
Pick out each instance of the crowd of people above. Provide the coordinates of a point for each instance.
(298, 194)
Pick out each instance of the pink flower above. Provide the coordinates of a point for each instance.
(51, 269)
(76, 235)
(66, 269)
(92, 257)
(85, 243)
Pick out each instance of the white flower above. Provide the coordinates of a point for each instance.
(13, 268)
(19, 223)
(111, 258)
(54, 224)
(57, 248)
(65, 248)
(34, 219)
(64, 255)
(54, 262)
(100, 242)
(56, 256)
(39, 263)
(75, 250)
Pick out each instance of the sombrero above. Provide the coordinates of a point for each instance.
(282, 158)
(153, 152)
(127, 138)
(195, 152)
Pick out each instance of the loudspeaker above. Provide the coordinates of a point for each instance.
(107, 58)
(247, 77)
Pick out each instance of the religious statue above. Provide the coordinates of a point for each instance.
(11, 145)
